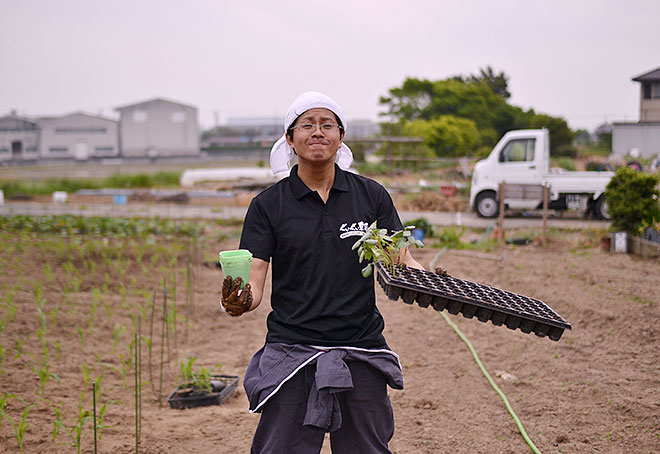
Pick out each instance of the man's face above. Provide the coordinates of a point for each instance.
(316, 145)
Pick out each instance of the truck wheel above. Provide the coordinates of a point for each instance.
(600, 209)
(487, 205)
(635, 165)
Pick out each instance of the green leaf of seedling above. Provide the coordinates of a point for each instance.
(367, 270)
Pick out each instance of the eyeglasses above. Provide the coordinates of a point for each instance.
(311, 127)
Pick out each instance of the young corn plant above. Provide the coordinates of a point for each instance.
(76, 429)
(376, 245)
(117, 331)
(58, 422)
(18, 427)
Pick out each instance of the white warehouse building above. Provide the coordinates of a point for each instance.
(158, 128)
(79, 136)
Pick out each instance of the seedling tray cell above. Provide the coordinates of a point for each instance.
(215, 398)
(472, 300)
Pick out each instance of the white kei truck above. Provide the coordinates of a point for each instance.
(521, 158)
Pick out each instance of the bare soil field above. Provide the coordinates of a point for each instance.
(69, 307)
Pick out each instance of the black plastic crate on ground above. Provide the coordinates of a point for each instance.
(472, 300)
(216, 398)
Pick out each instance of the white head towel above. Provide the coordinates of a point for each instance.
(282, 155)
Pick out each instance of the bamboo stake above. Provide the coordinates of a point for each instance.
(546, 191)
(94, 411)
(137, 434)
(187, 289)
(500, 222)
(151, 340)
(176, 316)
(162, 346)
(139, 361)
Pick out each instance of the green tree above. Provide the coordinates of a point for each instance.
(479, 98)
(561, 136)
(604, 140)
(499, 83)
(632, 199)
(446, 135)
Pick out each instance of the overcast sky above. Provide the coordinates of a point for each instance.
(572, 58)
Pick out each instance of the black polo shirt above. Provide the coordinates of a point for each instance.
(319, 296)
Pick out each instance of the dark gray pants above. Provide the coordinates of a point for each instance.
(367, 418)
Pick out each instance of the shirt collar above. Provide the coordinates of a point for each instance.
(300, 189)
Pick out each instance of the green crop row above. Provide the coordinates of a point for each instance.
(77, 225)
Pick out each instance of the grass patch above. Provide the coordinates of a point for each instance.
(49, 185)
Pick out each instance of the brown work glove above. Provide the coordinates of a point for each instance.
(234, 300)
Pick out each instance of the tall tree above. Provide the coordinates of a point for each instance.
(479, 98)
(499, 83)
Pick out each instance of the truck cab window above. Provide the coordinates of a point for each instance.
(518, 151)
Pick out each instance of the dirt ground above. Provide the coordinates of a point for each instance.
(596, 389)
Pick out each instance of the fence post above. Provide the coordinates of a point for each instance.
(500, 221)
(546, 190)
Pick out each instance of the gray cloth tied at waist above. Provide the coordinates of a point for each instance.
(275, 363)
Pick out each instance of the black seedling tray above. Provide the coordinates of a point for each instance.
(472, 299)
(202, 400)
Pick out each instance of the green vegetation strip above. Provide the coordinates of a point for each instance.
(67, 225)
(49, 185)
(497, 389)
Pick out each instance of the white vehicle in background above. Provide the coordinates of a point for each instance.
(522, 158)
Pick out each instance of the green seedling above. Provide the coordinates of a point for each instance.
(58, 423)
(86, 373)
(76, 429)
(48, 272)
(126, 364)
(46, 375)
(377, 246)
(19, 348)
(18, 427)
(81, 336)
(200, 378)
(117, 331)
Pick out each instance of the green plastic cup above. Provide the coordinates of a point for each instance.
(237, 264)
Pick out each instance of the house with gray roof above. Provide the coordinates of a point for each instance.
(641, 138)
(158, 128)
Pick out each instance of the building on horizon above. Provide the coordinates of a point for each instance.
(158, 128)
(641, 139)
(78, 136)
(19, 138)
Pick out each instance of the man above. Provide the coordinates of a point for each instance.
(325, 366)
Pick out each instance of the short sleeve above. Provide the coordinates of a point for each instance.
(257, 235)
(387, 215)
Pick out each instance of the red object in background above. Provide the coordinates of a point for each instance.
(448, 190)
